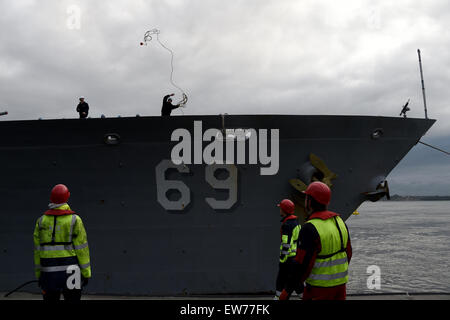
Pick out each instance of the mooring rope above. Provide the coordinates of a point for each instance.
(435, 148)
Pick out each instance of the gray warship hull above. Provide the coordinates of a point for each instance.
(156, 228)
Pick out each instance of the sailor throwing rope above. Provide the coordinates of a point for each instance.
(167, 106)
(167, 102)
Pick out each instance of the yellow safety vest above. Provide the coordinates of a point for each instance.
(288, 248)
(60, 241)
(331, 266)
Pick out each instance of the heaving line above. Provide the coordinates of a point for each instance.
(147, 38)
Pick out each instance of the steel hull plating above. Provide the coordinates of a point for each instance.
(139, 247)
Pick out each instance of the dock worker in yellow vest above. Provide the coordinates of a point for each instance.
(288, 248)
(324, 250)
(61, 252)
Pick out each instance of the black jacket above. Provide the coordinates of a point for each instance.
(167, 107)
(83, 107)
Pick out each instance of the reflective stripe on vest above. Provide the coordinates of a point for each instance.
(72, 224)
(329, 277)
(289, 250)
(84, 266)
(57, 268)
(54, 247)
(81, 246)
(331, 266)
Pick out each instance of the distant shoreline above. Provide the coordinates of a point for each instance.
(397, 197)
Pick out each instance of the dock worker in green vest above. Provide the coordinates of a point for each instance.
(61, 252)
(324, 249)
(288, 248)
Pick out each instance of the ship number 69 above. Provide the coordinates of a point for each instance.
(163, 185)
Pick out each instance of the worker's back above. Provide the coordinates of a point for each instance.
(289, 236)
(331, 265)
(60, 242)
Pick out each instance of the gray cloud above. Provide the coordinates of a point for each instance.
(318, 56)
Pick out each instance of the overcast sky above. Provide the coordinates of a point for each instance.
(253, 57)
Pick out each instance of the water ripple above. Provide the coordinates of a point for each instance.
(408, 241)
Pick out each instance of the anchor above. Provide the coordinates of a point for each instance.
(314, 170)
(381, 191)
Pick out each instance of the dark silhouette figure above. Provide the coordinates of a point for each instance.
(167, 106)
(83, 108)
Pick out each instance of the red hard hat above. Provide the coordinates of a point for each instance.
(319, 191)
(287, 206)
(60, 194)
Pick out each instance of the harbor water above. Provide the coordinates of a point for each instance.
(400, 246)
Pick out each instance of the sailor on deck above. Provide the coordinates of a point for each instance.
(83, 108)
(324, 250)
(61, 252)
(167, 106)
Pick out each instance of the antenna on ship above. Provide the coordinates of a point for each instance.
(423, 85)
(425, 106)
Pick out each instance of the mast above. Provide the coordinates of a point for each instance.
(423, 85)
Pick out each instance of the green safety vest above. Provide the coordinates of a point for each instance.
(288, 247)
(57, 237)
(331, 266)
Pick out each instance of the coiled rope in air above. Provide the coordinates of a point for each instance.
(147, 38)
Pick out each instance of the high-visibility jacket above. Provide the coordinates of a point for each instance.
(331, 265)
(60, 241)
(290, 230)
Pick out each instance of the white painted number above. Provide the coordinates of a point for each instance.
(230, 184)
(163, 185)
